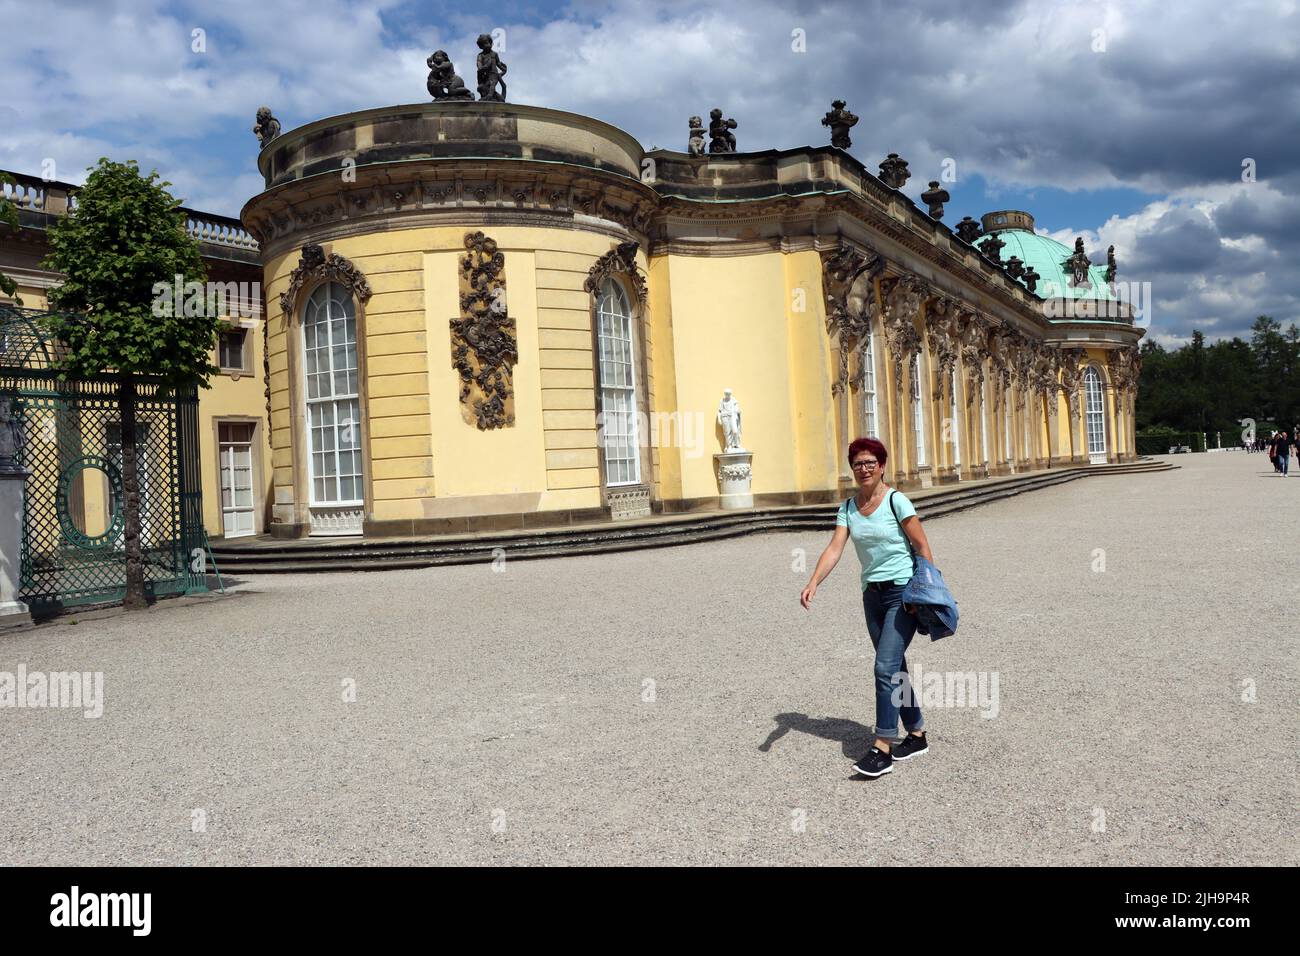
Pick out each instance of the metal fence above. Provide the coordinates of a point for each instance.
(73, 540)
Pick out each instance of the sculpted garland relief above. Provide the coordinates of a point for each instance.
(484, 348)
(975, 330)
(847, 277)
(1073, 363)
(941, 334)
(902, 305)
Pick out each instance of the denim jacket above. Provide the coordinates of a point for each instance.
(932, 602)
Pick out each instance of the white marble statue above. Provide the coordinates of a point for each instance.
(729, 419)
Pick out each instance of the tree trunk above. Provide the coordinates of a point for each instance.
(134, 599)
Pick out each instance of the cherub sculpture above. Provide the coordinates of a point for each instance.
(695, 146)
(491, 72)
(444, 82)
(267, 126)
(721, 139)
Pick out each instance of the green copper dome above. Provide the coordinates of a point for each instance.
(1046, 257)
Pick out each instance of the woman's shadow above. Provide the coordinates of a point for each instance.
(851, 735)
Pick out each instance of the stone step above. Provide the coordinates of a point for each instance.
(338, 555)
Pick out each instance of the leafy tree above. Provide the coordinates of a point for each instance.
(1199, 388)
(125, 236)
(8, 216)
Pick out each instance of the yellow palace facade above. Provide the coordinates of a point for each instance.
(481, 316)
(484, 316)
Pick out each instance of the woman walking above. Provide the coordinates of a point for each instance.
(885, 529)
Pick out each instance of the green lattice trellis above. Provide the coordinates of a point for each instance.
(71, 428)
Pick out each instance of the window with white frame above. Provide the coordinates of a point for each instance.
(329, 328)
(954, 422)
(1095, 409)
(235, 455)
(984, 428)
(617, 362)
(1007, 420)
(869, 386)
(918, 414)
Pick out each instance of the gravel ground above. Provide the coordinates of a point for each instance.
(678, 706)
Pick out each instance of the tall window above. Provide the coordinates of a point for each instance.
(955, 423)
(918, 415)
(329, 328)
(984, 428)
(235, 449)
(1095, 410)
(869, 386)
(617, 385)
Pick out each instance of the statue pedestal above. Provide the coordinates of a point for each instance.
(734, 476)
(12, 611)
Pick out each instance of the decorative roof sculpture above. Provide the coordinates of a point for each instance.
(935, 197)
(695, 143)
(267, 126)
(444, 83)
(840, 121)
(721, 139)
(894, 172)
(491, 72)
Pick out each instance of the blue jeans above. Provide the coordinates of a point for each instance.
(1283, 461)
(892, 629)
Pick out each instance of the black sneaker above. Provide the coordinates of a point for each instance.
(910, 747)
(875, 763)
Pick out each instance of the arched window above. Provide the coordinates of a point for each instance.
(869, 386)
(955, 424)
(984, 430)
(1006, 424)
(618, 424)
(918, 415)
(1095, 411)
(329, 328)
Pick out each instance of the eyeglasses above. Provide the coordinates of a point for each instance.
(865, 463)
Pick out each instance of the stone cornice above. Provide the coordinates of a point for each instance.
(325, 207)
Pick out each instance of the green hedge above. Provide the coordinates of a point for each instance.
(1155, 441)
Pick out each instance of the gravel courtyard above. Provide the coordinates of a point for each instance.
(679, 706)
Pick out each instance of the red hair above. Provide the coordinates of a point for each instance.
(873, 445)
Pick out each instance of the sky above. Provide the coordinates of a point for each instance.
(1170, 130)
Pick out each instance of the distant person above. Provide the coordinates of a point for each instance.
(881, 521)
(1283, 451)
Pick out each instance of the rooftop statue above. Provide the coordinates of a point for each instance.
(1030, 277)
(267, 126)
(444, 83)
(1111, 269)
(721, 139)
(935, 198)
(968, 230)
(1077, 266)
(894, 172)
(840, 121)
(1015, 268)
(695, 145)
(992, 247)
(491, 72)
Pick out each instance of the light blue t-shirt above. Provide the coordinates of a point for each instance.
(878, 538)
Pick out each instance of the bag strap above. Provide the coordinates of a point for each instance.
(900, 528)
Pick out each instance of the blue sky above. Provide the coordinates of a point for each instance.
(1125, 123)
